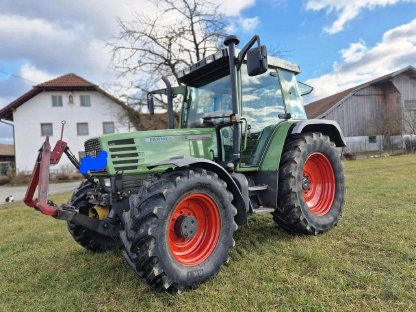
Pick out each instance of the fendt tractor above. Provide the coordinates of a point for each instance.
(171, 199)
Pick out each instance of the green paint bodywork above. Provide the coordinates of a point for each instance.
(271, 159)
(156, 145)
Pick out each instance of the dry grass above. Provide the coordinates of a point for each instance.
(367, 263)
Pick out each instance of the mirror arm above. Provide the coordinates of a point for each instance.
(160, 91)
(247, 47)
(171, 123)
(150, 103)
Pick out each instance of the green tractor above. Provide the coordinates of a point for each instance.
(172, 199)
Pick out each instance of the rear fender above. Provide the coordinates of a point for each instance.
(240, 203)
(269, 166)
(327, 127)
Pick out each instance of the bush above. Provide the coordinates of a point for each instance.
(350, 156)
(62, 177)
(75, 176)
(66, 169)
(4, 180)
(19, 178)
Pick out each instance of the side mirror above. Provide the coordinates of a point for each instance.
(257, 61)
(150, 104)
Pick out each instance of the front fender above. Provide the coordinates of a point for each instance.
(238, 201)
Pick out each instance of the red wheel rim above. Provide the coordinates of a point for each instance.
(318, 184)
(194, 250)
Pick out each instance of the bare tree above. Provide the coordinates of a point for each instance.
(409, 123)
(181, 32)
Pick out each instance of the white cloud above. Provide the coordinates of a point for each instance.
(360, 63)
(234, 7)
(354, 52)
(346, 10)
(249, 24)
(246, 24)
(31, 73)
(51, 38)
(52, 49)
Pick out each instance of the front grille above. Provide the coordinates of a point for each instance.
(92, 147)
(125, 155)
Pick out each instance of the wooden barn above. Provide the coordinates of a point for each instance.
(374, 116)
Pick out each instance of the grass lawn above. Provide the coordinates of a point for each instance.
(366, 263)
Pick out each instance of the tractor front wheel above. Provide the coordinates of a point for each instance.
(311, 185)
(179, 230)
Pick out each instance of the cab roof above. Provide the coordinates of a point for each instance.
(216, 66)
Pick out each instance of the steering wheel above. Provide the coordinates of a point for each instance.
(216, 115)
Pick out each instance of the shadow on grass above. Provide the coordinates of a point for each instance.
(256, 235)
(250, 239)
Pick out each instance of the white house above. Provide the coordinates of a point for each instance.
(87, 109)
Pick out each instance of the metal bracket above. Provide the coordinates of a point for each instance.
(40, 176)
(103, 227)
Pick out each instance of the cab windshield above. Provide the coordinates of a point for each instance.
(210, 100)
(261, 100)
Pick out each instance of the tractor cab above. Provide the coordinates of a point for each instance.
(267, 93)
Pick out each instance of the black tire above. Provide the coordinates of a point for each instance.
(146, 229)
(89, 239)
(293, 213)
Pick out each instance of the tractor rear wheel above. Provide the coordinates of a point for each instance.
(311, 185)
(88, 239)
(179, 230)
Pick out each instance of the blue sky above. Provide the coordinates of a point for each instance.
(338, 44)
(289, 25)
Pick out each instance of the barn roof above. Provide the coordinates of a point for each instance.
(68, 82)
(320, 107)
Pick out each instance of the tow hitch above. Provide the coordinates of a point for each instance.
(40, 180)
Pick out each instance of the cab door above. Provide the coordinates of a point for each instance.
(262, 102)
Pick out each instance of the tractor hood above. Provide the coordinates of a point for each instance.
(132, 152)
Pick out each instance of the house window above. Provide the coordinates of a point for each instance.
(372, 139)
(108, 127)
(82, 128)
(85, 100)
(46, 129)
(81, 155)
(57, 101)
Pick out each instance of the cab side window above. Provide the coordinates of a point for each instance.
(262, 102)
